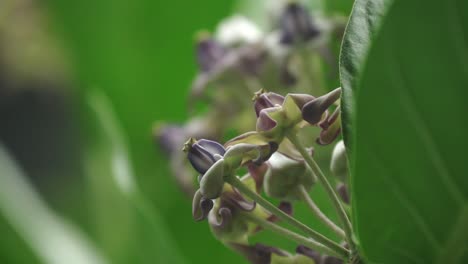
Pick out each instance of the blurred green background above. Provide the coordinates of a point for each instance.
(81, 84)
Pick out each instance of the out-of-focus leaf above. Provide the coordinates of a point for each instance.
(53, 239)
(338, 7)
(140, 53)
(404, 72)
(142, 235)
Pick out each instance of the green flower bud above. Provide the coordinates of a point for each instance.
(227, 218)
(212, 182)
(200, 206)
(339, 161)
(285, 175)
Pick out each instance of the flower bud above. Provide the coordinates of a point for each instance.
(285, 175)
(263, 99)
(296, 25)
(212, 182)
(286, 207)
(258, 253)
(343, 192)
(203, 153)
(227, 218)
(208, 51)
(313, 111)
(242, 153)
(303, 250)
(339, 162)
(331, 128)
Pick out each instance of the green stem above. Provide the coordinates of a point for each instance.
(285, 233)
(235, 182)
(328, 188)
(318, 213)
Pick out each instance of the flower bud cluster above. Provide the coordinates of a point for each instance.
(234, 62)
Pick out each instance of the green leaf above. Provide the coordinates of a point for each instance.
(363, 23)
(52, 238)
(404, 70)
(119, 202)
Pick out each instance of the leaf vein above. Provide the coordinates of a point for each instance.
(420, 126)
(405, 201)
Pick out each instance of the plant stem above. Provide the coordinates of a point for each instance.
(328, 188)
(318, 213)
(301, 240)
(235, 182)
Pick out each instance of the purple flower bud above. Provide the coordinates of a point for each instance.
(296, 25)
(169, 137)
(208, 52)
(263, 100)
(257, 172)
(303, 250)
(331, 128)
(203, 153)
(285, 207)
(313, 111)
(343, 192)
(258, 253)
(265, 122)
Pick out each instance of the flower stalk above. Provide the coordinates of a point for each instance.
(318, 213)
(301, 240)
(328, 188)
(236, 183)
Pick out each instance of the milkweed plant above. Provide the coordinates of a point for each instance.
(272, 91)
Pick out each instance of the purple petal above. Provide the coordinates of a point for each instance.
(343, 192)
(212, 146)
(201, 206)
(265, 122)
(237, 200)
(265, 100)
(201, 154)
(257, 172)
(225, 218)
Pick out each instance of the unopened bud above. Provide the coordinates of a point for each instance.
(208, 51)
(263, 99)
(331, 128)
(297, 25)
(313, 111)
(285, 176)
(339, 162)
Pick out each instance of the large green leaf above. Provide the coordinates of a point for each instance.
(404, 69)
